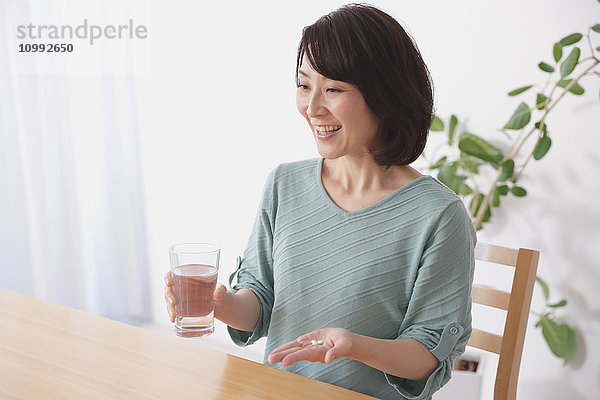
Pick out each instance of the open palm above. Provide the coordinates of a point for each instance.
(337, 342)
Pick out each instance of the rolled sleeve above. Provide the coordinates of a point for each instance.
(255, 270)
(439, 312)
(444, 347)
(265, 299)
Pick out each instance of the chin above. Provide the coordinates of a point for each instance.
(330, 155)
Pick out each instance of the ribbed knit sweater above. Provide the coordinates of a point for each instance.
(400, 268)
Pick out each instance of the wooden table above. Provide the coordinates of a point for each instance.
(49, 351)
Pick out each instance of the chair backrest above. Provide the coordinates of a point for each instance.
(517, 302)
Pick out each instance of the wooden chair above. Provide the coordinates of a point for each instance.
(517, 302)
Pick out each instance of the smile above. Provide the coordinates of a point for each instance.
(326, 131)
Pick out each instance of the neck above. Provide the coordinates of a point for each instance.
(360, 174)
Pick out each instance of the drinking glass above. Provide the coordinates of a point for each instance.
(194, 269)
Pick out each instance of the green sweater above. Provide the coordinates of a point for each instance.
(400, 268)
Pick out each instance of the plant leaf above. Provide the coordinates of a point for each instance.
(518, 191)
(560, 339)
(508, 167)
(496, 198)
(519, 90)
(561, 303)
(540, 101)
(436, 124)
(478, 200)
(542, 147)
(545, 67)
(569, 64)
(537, 126)
(453, 122)
(596, 28)
(520, 117)
(469, 163)
(478, 147)
(439, 163)
(539, 323)
(570, 39)
(544, 286)
(463, 189)
(455, 182)
(503, 190)
(575, 89)
(557, 52)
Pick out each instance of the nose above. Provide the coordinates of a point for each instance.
(315, 105)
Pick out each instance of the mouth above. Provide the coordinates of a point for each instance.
(326, 131)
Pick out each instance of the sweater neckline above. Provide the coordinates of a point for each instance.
(377, 204)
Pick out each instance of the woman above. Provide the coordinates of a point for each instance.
(359, 268)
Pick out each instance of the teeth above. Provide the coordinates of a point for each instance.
(328, 128)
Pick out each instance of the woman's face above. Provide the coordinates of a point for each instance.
(337, 114)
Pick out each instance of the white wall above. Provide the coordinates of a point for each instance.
(217, 114)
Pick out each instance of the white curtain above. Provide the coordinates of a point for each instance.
(71, 200)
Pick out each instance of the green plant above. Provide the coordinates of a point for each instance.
(482, 173)
(559, 336)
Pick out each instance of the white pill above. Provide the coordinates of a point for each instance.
(316, 342)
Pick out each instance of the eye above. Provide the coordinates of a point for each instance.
(302, 87)
(333, 90)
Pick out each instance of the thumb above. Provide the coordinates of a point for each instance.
(220, 293)
(330, 355)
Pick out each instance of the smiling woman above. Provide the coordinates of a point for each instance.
(370, 55)
(336, 112)
(358, 269)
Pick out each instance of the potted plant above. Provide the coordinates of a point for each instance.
(482, 173)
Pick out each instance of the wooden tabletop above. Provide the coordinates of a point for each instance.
(49, 351)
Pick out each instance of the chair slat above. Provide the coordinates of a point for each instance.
(507, 375)
(517, 303)
(486, 341)
(496, 254)
(490, 297)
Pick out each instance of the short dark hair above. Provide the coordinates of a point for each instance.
(364, 46)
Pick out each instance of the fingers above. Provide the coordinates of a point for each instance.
(171, 301)
(312, 353)
(289, 345)
(170, 296)
(279, 353)
(296, 351)
(168, 279)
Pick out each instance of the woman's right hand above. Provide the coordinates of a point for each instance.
(221, 295)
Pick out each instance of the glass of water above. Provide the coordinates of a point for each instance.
(194, 270)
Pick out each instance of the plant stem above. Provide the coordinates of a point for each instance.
(486, 200)
(539, 315)
(517, 176)
(590, 43)
(474, 204)
(570, 85)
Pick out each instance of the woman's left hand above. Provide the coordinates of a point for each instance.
(337, 342)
